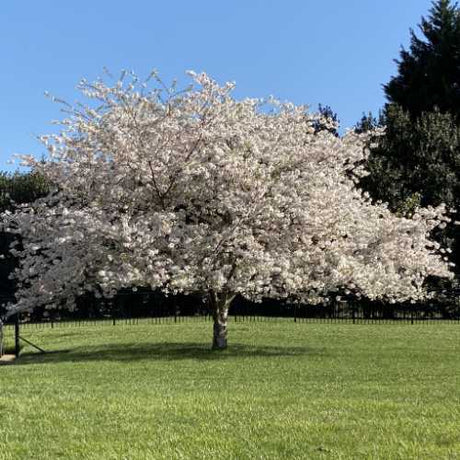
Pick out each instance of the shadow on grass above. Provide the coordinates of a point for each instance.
(160, 352)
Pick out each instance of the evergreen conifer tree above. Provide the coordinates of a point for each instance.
(429, 72)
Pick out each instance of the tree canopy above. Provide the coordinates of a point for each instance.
(429, 72)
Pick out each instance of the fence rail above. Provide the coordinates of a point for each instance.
(298, 316)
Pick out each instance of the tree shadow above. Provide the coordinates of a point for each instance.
(164, 351)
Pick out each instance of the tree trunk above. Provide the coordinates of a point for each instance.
(220, 304)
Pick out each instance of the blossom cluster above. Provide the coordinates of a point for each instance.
(196, 191)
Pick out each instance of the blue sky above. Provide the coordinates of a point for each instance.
(336, 52)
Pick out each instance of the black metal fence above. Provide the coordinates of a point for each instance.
(147, 307)
(129, 307)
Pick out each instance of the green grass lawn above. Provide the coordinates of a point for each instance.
(282, 390)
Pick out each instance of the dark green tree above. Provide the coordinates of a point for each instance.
(332, 124)
(17, 188)
(369, 122)
(417, 160)
(418, 157)
(429, 72)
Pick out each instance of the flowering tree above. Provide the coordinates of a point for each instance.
(194, 191)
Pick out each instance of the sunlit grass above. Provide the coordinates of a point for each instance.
(282, 390)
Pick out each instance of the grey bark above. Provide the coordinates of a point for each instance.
(220, 304)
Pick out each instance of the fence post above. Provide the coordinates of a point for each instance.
(1, 338)
(16, 336)
(112, 310)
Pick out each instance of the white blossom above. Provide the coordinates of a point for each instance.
(195, 191)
